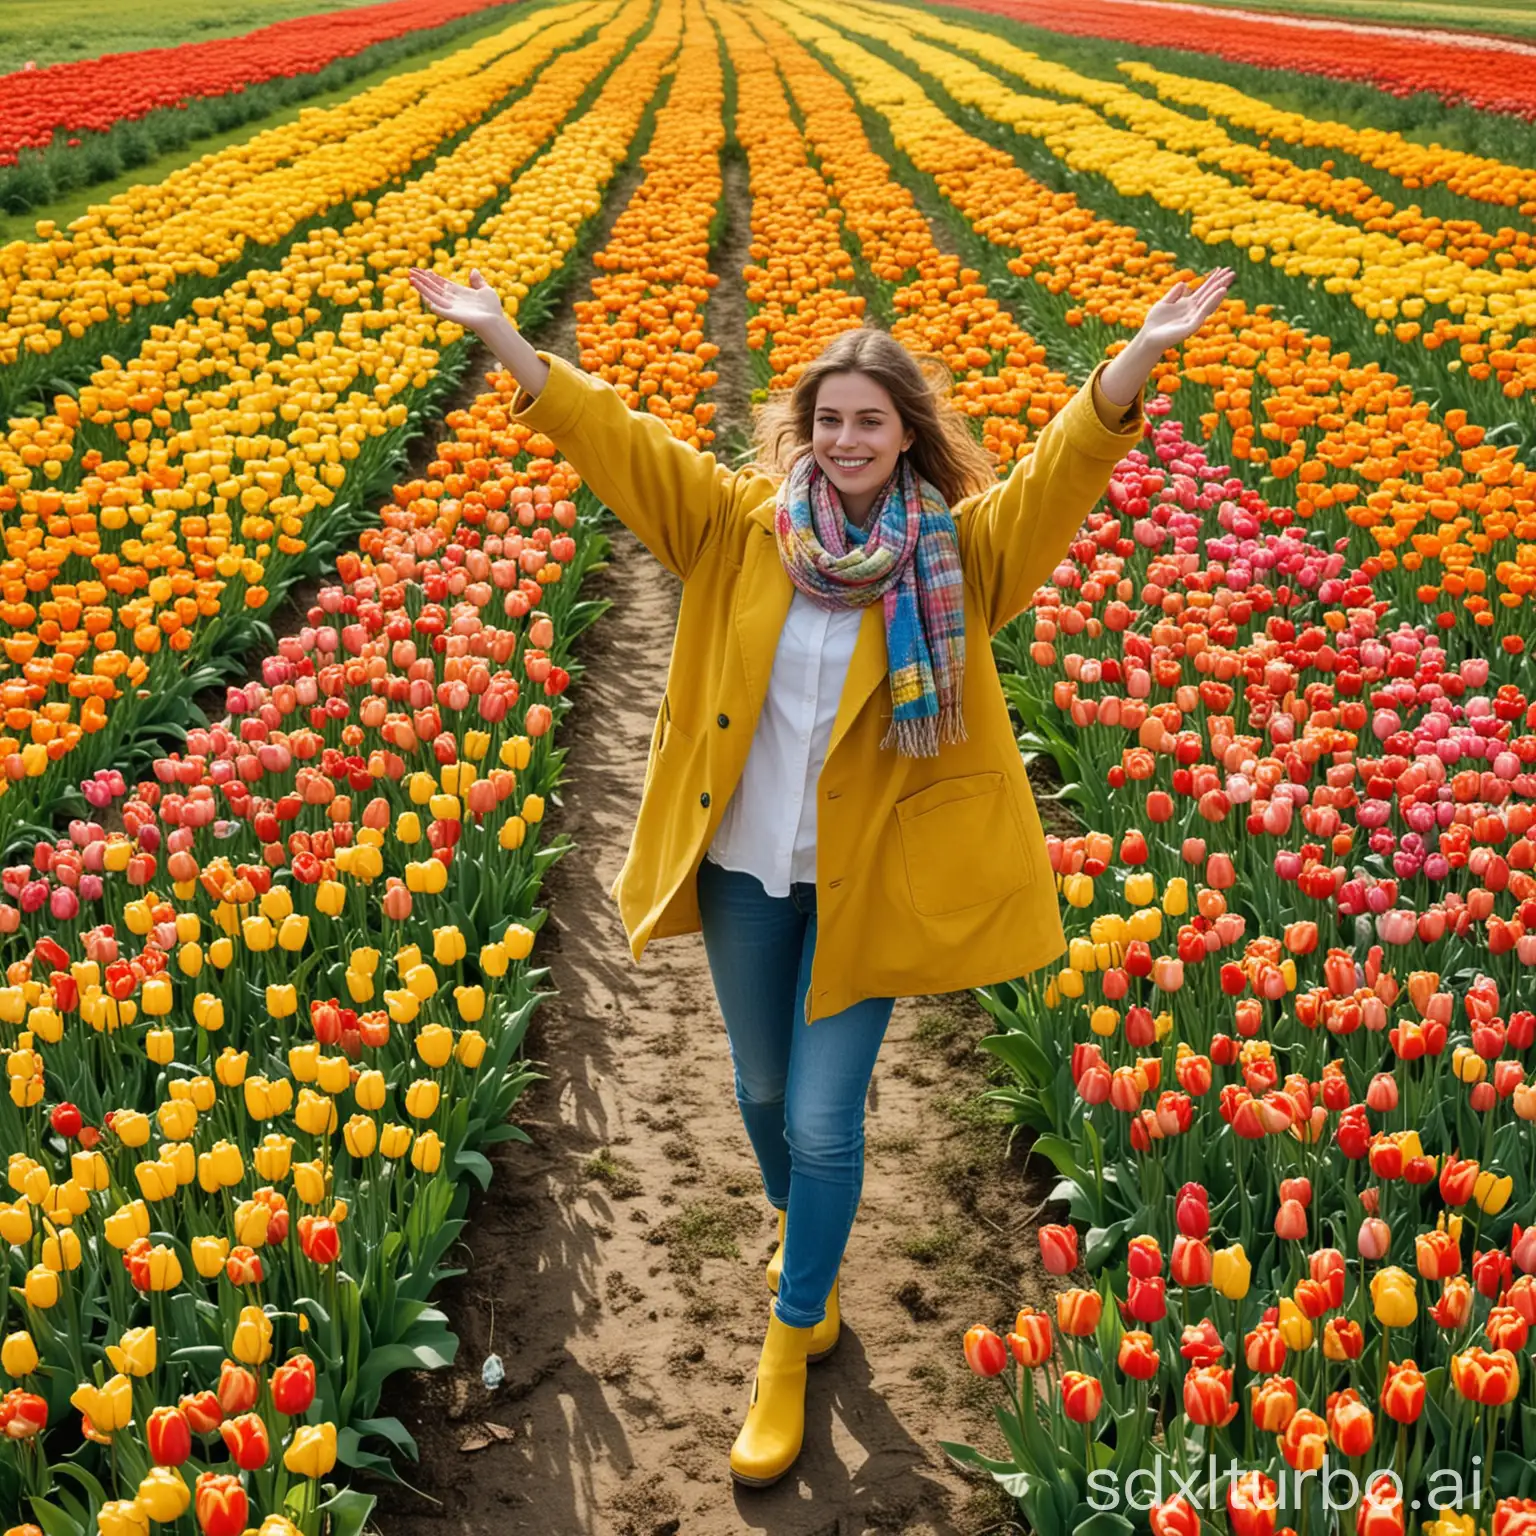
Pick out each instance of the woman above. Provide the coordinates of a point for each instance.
(834, 794)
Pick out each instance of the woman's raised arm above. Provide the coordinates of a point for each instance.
(1013, 534)
(670, 495)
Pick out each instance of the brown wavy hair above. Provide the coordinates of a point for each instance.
(943, 450)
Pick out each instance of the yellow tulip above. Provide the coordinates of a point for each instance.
(1176, 896)
(164, 1495)
(361, 1136)
(408, 828)
(395, 1141)
(122, 1517)
(364, 960)
(61, 1249)
(434, 1045)
(369, 1090)
(494, 959)
(221, 953)
(513, 834)
(1492, 1192)
(427, 1154)
(160, 1046)
(312, 1452)
(253, 1337)
(134, 1354)
(311, 1181)
(18, 1355)
(110, 1407)
(232, 1064)
(331, 898)
(258, 934)
(130, 1127)
(273, 1157)
(421, 1098)
(156, 1179)
(126, 1224)
(471, 1003)
(276, 904)
(448, 946)
(90, 1170)
(333, 1074)
(316, 1113)
(293, 932)
(178, 1118)
(208, 1255)
(1392, 1296)
(252, 1218)
(403, 1005)
(282, 1000)
(41, 1287)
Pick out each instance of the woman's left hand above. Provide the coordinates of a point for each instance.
(1169, 323)
(1182, 311)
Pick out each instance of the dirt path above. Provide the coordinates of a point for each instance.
(616, 1264)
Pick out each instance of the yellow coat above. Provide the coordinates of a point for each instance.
(931, 873)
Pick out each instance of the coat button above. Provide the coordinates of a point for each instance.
(722, 721)
(704, 799)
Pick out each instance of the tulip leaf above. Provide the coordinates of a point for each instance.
(53, 1520)
(971, 1457)
(206, 1357)
(348, 1511)
(392, 1430)
(1088, 1521)
(1061, 1153)
(475, 1165)
(1021, 1053)
(1101, 1242)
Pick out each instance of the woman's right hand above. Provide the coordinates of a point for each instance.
(475, 307)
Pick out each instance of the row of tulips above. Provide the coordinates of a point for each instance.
(150, 252)
(208, 515)
(93, 94)
(72, 125)
(1428, 495)
(1416, 169)
(1378, 278)
(642, 329)
(1395, 59)
(260, 1032)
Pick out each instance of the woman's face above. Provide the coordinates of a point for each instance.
(856, 433)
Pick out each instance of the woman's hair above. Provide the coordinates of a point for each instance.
(943, 451)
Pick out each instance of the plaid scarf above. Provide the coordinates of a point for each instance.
(907, 555)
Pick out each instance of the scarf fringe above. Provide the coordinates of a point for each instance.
(921, 738)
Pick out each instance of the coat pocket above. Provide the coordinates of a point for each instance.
(962, 843)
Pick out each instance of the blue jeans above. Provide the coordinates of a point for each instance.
(801, 1088)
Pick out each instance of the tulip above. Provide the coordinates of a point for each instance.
(293, 1386)
(1231, 1272)
(1402, 1393)
(169, 1437)
(122, 1517)
(110, 1407)
(222, 1506)
(237, 1390)
(1351, 1425)
(312, 1451)
(1058, 1249)
(1030, 1341)
(1081, 1397)
(1208, 1395)
(1252, 1502)
(1078, 1311)
(134, 1354)
(246, 1440)
(18, 1355)
(1392, 1297)
(163, 1495)
(1491, 1379)
(985, 1352)
(1137, 1355)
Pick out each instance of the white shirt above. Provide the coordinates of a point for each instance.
(769, 826)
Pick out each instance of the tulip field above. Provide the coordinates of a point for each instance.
(269, 965)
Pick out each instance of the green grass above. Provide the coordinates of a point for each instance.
(21, 226)
(617, 1173)
(55, 31)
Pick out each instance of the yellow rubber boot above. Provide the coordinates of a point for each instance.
(774, 1429)
(825, 1334)
(776, 1263)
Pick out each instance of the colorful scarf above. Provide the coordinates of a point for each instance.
(907, 555)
